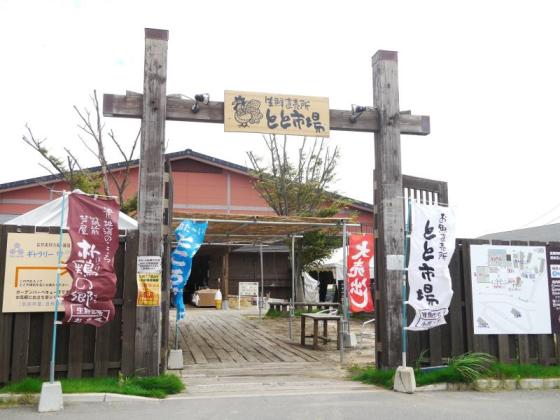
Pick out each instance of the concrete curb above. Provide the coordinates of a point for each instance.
(90, 397)
(494, 385)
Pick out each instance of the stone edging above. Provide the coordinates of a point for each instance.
(91, 397)
(495, 385)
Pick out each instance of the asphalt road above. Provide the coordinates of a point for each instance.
(350, 405)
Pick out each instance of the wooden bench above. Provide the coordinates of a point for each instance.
(316, 318)
(284, 306)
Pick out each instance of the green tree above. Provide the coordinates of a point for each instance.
(299, 187)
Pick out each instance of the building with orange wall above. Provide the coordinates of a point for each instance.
(201, 184)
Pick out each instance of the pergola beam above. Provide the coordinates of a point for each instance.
(179, 109)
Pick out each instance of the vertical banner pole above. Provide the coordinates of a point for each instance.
(176, 334)
(404, 283)
(262, 282)
(57, 290)
(293, 299)
(344, 314)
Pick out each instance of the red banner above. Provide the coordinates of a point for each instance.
(94, 233)
(360, 253)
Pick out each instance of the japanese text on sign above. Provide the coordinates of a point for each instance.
(148, 279)
(30, 274)
(359, 289)
(432, 244)
(276, 114)
(93, 229)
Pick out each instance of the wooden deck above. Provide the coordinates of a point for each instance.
(209, 337)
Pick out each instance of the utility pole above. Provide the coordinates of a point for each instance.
(151, 192)
(389, 211)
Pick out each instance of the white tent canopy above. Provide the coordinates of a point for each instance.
(335, 264)
(49, 215)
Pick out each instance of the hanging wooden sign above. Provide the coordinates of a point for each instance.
(271, 113)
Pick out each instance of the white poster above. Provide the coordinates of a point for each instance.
(432, 242)
(509, 289)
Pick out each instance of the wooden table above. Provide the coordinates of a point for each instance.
(316, 318)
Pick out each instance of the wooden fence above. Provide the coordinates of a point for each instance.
(457, 337)
(82, 350)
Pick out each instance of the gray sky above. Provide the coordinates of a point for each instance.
(487, 73)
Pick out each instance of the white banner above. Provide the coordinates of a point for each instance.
(432, 242)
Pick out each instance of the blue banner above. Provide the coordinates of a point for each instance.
(189, 236)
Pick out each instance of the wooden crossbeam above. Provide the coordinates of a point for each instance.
(178, 109)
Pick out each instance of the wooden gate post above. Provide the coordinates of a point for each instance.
(389, 217)
(150, 195)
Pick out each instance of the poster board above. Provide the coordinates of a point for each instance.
(148, 279)
(510, 289)
(271, 113)
(248, 288)
(553, 258)
(30, 274)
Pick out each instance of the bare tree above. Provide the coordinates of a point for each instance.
(300, 189)
(91, 125)
(95, 132)
(70, 170)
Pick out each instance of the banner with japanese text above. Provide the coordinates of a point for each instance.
(432, 243)
(94, 234)
(553, 258)
(190, 236)
(360, 252)
(271, 113)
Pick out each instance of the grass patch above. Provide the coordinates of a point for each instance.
(516, 371)
(152, 386)
(455, 374)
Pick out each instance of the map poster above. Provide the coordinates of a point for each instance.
(510, 289)
(553, 255)
(30, 274)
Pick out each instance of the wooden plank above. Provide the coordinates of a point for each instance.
(6, 319)
(46, 345)
(251, 343)
(260, 346)
(456, 309)
(196, 352)
(209, 353)
(165, 298)
(468, 295)
(503, 349)
(435, 346)
(219, 340)
(213, 341)
(389, 220)
(20, 346)
(150, 196)
(238, 342)
(75, 357)
(101, 356)
(178, 109)
(129, 303)
(225, 275)
(279, 344)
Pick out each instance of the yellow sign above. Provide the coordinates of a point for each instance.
(148, 279)
(30, 276)
(252, 112)
(149, 289)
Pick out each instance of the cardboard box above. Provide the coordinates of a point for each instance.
(205, 297)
